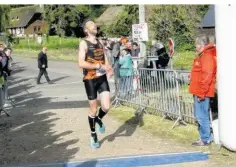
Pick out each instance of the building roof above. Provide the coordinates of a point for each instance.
(20, 17)
(109, 15)
(208, 20)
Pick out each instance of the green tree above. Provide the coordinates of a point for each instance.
(17, 6)
(97, 10)
(123, 25)
(176, 21)
(68, 19)
(164, 21)
(4, 17)
(202, 9)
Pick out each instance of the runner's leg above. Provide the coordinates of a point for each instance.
(90, 86)
(104, 91)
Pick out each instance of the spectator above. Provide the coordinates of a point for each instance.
(126, 68)
(116, 54)
(156, 45)
(3, 55)
(123, 42)
(108, 51)
(1, 71)
(6, 61)
(202, 86)
(135, 50)
(1, 47)
(43, 65)
(116, 51)
(1, 82)
(8, 52)
(158, 49)
(128, 45)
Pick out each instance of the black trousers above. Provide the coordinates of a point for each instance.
(43, 71)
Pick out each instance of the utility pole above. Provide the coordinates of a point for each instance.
(42, 8)
(142, 20)
(60, 28)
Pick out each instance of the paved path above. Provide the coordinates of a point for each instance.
(48, 123)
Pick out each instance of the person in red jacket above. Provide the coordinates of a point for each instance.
(202, 86)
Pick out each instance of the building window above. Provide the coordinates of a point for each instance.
(39, 28)
(35, 29)
(17, 18)
(18, 31)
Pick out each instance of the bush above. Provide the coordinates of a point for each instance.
(185, 47)
(183, 60)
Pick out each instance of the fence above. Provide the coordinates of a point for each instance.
(3, 97)
(186, 99)
(162, 91)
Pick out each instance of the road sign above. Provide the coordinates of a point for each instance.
(171, 45)
(140, 32)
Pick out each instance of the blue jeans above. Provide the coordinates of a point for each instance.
(201, 111)
(125, 84)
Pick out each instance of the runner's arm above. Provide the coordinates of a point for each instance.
(81, 58)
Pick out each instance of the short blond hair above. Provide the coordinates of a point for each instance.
(45, 47)
(86, 26)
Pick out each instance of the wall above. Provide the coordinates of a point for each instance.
(17, 31)
(38, 26)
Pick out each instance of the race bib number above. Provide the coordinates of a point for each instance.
(100, 72)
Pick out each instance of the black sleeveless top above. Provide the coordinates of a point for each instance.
(94, 55)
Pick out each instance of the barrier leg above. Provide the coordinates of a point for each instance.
(180, 118)
(2, 103)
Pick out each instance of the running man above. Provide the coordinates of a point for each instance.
(96, 69)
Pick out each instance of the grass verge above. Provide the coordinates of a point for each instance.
(60, 54)
(182, 60)
(52, 42)
(184, 135)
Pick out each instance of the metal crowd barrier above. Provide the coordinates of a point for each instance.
(186, 99)
(3, 100)
(162, 91)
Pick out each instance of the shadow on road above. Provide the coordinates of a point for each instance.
(58, 79)
(127, 129)
(18, 70)
(28, 136)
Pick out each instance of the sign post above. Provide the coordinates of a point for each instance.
(171, 45)
(140, 32)
(142, 20)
